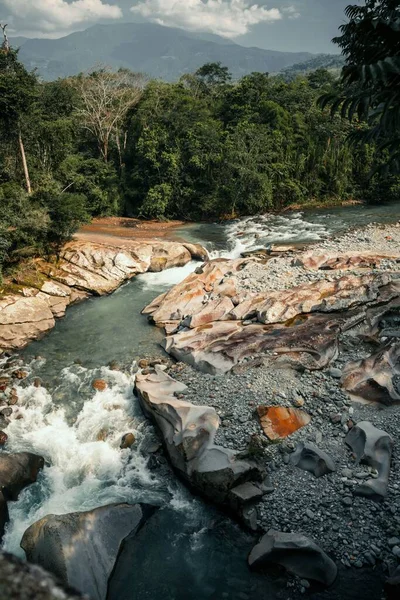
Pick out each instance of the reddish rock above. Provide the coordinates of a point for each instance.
(99, 384)
(279, 422)
(127, 441)
(3, 438)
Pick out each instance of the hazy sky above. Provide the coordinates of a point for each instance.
(276, 24)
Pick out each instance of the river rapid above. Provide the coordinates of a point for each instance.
(188, 550)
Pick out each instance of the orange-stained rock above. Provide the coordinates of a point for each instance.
(357, 260)
(3, 438)
(127, 441)
(279, 422)
(99, 384)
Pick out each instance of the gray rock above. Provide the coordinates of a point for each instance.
(310, 458)
(21, 581)
(81, 549)
(246, 492)
(392, 585)
(17, 471)
(297, 553)
(373, 447)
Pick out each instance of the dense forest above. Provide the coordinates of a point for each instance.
(206, 147)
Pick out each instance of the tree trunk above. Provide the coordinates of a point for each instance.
(24, 164)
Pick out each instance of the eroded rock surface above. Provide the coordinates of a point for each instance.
(43, 293)
(376, 378)
(350, 260)
(278, 422)
(310, 458)
(188, 432)
(373, 447)
(296, 553)
(81, 549)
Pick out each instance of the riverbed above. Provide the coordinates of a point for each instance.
(189, 550)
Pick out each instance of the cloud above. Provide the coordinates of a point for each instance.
(50, 16)
(292, 12)
(228, 18)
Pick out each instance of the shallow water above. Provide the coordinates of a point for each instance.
(189, 550)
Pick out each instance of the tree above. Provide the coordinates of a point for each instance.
(18, 93)
(370, 42)
(106, 99)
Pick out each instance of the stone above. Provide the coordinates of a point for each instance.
(6, 412)
(99, 385)
(246, 492)
(17, 471)
(373, 447)
(21, 581)
(310, 458)
(127, 441)
(350, 260)
(81, 549)
(188, 432)
(278, 422)
(392, 585)
(3, 438)
(298, 554)
(375, 378)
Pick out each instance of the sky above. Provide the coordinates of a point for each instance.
(287, 25)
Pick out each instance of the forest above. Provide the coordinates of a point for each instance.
(206, 147)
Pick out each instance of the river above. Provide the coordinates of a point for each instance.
(189, 550)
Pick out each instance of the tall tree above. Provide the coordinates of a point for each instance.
(370, 42)
(107, 97)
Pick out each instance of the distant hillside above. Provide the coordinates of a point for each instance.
(158, 51)
(331, 62)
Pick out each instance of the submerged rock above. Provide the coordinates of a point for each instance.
(297, 554)
(373, 447)
(3, 515)
(99, 385)
(127, 441)
(17, 471)
(278, 422)
(81, 549)
(310, 458)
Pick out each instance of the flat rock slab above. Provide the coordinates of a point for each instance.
(350, 260)
(278, 422)
(296, 553)
(81, 549)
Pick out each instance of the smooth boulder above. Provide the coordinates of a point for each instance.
(17, 471)
(310, 458)
(3, 515)
(81, 549)
(296, 553)
(373, 447)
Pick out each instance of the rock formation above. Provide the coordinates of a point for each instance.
(42, 292)
(17, 471)
(188, 432)
(279, 422)
(81, 549)
(296, 553)
(310, 458)
(213, 325)
(373, 447)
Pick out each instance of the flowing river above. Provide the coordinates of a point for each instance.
(188, 550)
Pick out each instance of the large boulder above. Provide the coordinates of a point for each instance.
(188, 432)
(373, 447)
(376, 378)
(296, 553)
(21, 581)
(81, 549)
(310, 458)
(3, 515)
(17, 471)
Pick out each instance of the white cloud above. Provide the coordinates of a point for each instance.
(228, 18)
(292, 12)
(49, 16)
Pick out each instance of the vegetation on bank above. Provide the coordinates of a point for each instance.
(112, 143)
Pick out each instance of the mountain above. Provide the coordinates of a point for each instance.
(158, 51)
(331, 62)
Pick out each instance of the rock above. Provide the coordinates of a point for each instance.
(246, 492)
(81, 549)
(6, 412)
(376, 378)
(392, 585)
(310, 458)
(188, 432)
(278, 422)
(359, 260)
(127, 441)
(296, 553)
(99, 384)
(335, 373)
(143, 363)
(21, 581)
(17, 471)
(4, 518)
(3, 438)
(373, 447)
